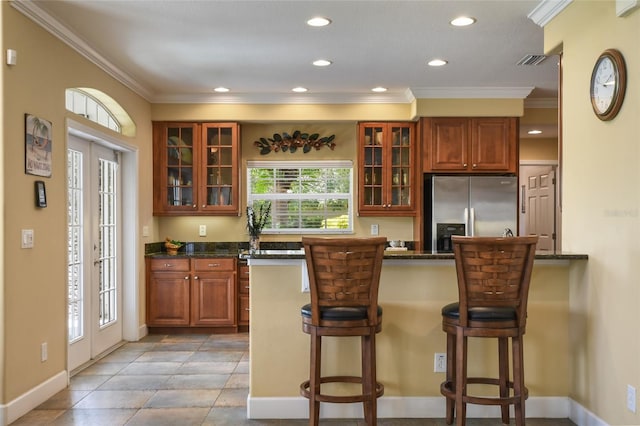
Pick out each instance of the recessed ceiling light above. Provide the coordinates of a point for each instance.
(221, 89)
(379, 89)
(463, 21)
(318, 21)
(437, 62)
(534, 132)
(322, 63)
(299, 89)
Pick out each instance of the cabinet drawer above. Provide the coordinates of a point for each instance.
(216, 264)
(169, 265)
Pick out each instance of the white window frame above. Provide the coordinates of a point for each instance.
(342, 164)
(82, 103)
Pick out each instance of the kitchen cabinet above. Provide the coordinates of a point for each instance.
(470, 145)
(197, 292)
(386, 169)
(243, 294)
(196, 168)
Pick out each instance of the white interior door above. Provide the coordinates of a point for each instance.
(537, 209)
(94, 268)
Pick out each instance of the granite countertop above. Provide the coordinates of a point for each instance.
(292, 250)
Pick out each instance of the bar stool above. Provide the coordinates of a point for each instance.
(344, 276)
(493, 287)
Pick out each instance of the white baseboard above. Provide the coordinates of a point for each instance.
(32, 398)
(399, 407)
(583, 417)
(142, 331)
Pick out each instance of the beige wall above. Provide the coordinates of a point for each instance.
(412, 295)
(33, 284)
(601, 204)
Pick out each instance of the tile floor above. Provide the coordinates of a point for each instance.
(179, 380)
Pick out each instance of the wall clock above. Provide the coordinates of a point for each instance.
(608, 84)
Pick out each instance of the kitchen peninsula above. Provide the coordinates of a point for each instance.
(414, 286)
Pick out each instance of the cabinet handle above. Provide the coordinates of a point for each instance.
(247, 287)
(475, 165)
(204, 205)
(213, 265)
(196, 277)
(186, 278)
(168, 265)
(464, 164)
(194, 206)
(247, 309)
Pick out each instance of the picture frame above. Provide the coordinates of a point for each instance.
(41, 194)
(38, 146)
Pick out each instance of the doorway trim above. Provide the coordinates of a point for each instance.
(130, 237)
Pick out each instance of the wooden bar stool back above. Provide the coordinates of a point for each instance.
(344, 276)
(493, 286)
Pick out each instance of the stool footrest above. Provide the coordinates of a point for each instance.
(304, 390)
(447, 388)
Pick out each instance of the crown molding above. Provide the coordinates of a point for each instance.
(546, 10)
(471, 92)
(285, 98)
(541, 103)
(49, 23)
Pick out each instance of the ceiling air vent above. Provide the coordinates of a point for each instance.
(532, 60)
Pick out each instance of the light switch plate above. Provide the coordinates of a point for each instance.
(203, 230)
(27, 238)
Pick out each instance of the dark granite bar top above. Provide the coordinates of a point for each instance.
(292, 250)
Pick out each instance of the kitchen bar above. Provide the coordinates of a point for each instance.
(414, 286)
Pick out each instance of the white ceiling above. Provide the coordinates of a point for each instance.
(179, 50)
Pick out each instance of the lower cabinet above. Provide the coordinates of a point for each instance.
(196, 292)
(243, 294)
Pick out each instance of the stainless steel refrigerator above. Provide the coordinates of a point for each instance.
(471, 205)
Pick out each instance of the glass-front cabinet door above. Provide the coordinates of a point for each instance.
(195, 168)
(220, 176)
(386, 169)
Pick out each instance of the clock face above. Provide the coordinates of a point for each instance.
(608, 82)
(603, 85)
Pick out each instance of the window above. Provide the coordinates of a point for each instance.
(306, 196)
(82, 103)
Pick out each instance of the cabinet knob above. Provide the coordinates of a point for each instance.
(475, 165)
(194, 206)
(464, 164)
(187, 277)
(196, 277)
(204, 205)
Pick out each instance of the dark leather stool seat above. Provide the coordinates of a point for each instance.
(493, 286)
(344, 275)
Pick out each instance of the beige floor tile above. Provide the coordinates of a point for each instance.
(87, 382)
(103, 368)
(38, 417)
(215, 356)
(136, 382)
(165, 356)
(238, 380)
(242, 367)
(183, 398)
(232, 398)
(115, 399)
(169, 417)
(63, 400)
(207, 368)
(197, 381)
(99, 417)
(144, 368)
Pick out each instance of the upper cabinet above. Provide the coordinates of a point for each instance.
(386, 169)
(470, 145)
(196, 168)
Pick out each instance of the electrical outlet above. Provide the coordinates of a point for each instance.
(439, 362)
(374, 229)
(631, 398)
(44, 352)
(203, 230)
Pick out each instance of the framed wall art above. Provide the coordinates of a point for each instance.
(37, 146)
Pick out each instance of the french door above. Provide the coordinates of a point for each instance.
(94, 235)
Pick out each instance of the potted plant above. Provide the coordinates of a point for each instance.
(256, 221)
(172, 246)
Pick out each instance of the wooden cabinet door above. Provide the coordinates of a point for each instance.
(386, 168)
(493, 144)
(175, 168)
(168, 296)
(219, 168)
(213, 299)
(213, 294)
(447, 144)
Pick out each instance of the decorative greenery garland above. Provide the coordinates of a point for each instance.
(291, 143)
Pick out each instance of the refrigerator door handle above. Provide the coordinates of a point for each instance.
(466, 222)
(472, 222)
(523, 198)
